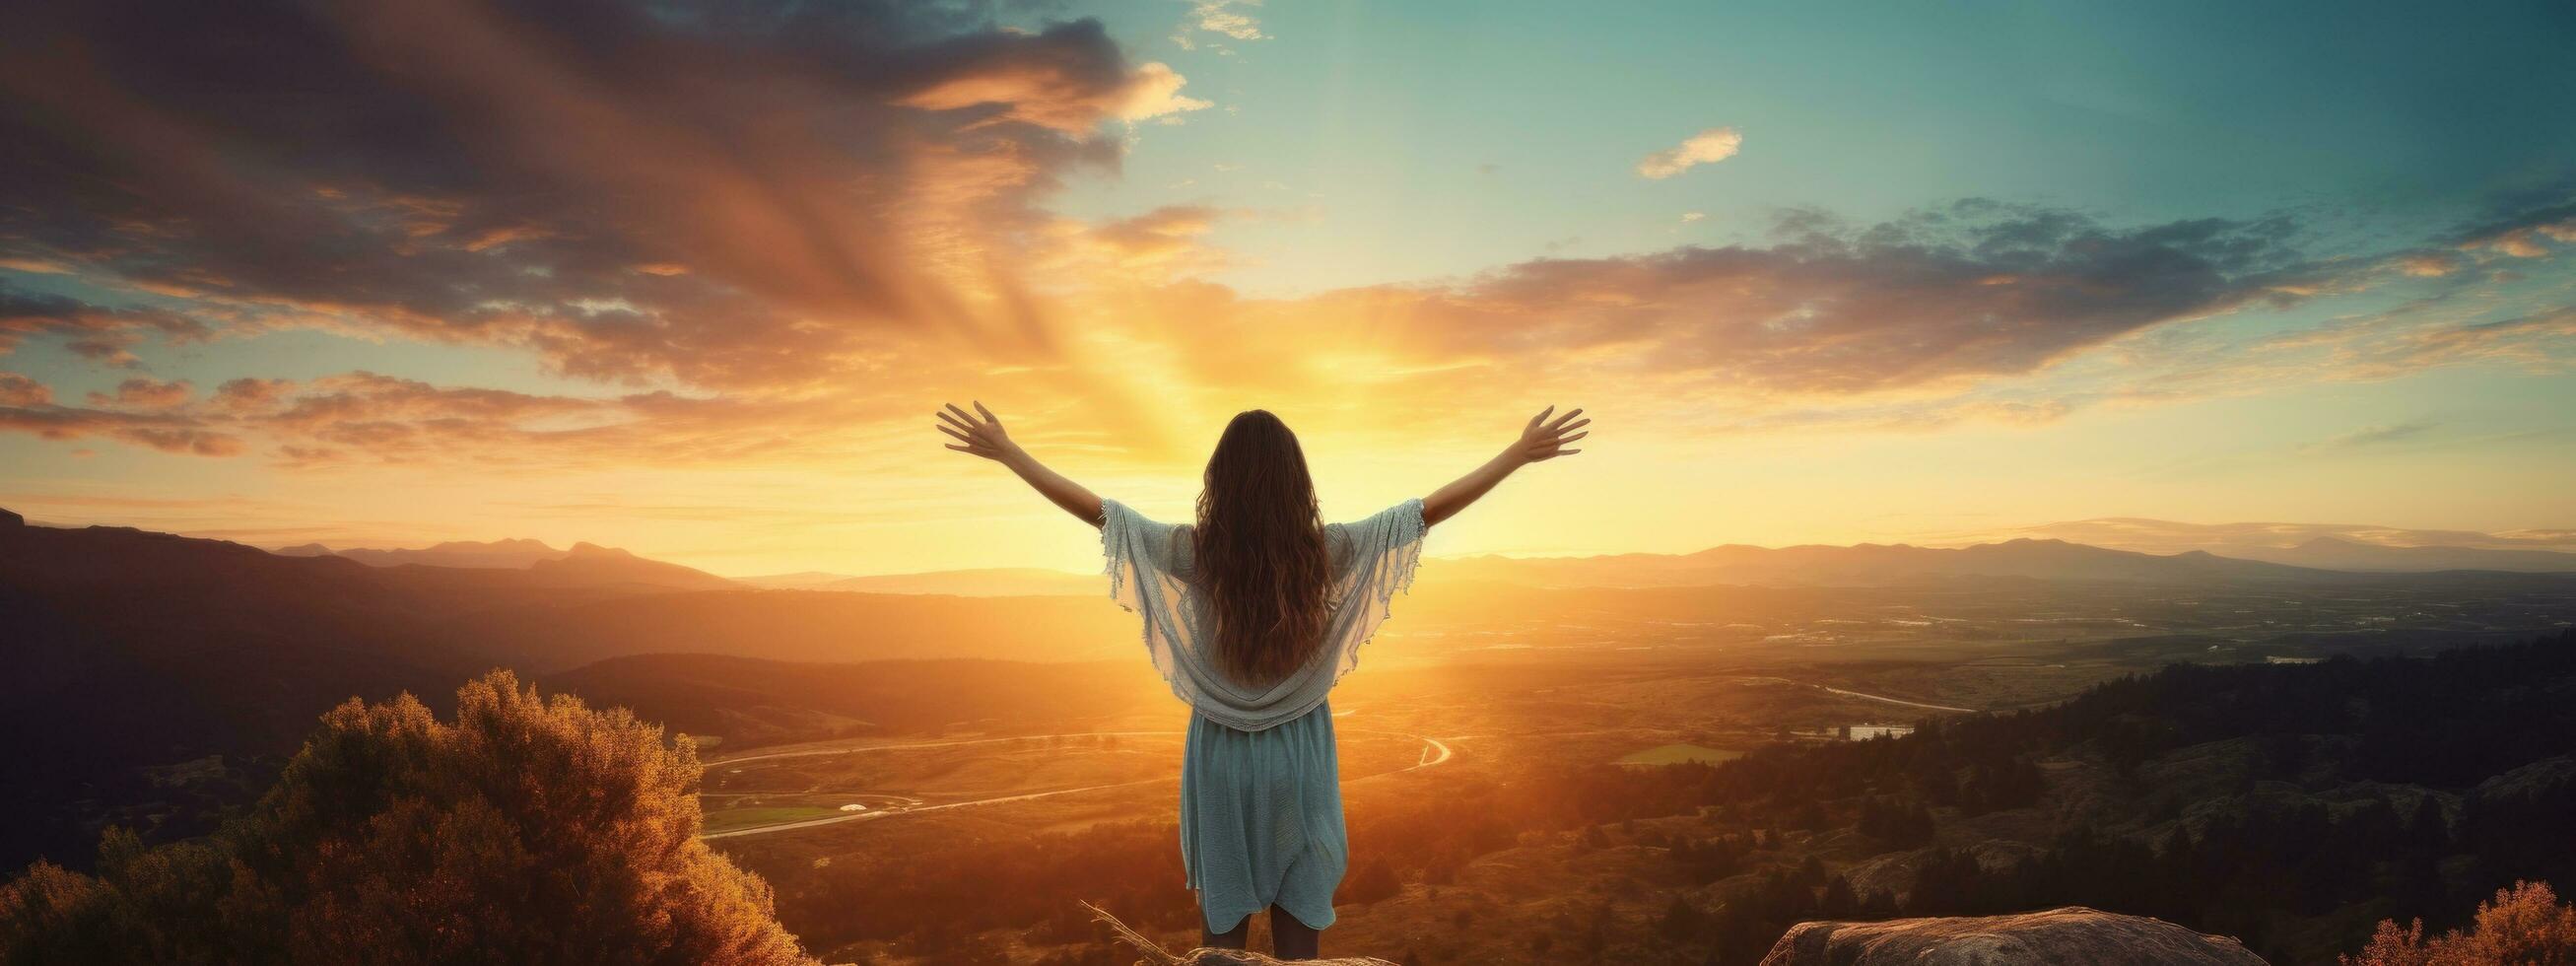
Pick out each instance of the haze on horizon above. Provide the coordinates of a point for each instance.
(691, 282)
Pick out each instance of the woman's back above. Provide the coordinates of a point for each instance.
(1152, 570)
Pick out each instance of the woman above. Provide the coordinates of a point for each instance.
(1252, 613)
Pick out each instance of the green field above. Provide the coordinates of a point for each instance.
(726, 819)
(1677, 754)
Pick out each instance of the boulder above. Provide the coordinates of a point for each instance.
(2072, 936)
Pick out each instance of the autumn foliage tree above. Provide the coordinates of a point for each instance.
(2523, 926)
(530, 830)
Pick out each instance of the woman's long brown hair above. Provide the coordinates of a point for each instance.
(1260, 551)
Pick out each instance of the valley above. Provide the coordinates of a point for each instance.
(1647, 771)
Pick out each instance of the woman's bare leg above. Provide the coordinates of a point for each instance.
(1291, 939)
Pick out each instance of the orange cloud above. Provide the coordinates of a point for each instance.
(145, 394)
(19, 390)
(1707, 147)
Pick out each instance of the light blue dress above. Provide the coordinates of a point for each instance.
(1261, 819)
(1261, 797)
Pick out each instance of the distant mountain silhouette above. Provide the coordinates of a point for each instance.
(800, 580)
(585, 565)
(590, 565)
(979, 582)
(2331, 546)
(500, 554)
(1872, 565)
(987, 582)
(2330, 553)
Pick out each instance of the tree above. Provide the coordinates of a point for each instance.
(528, 831)
(2523, 926)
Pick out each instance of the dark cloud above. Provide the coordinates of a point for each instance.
(2521, 225)
(167, 432)
(104, 334)
(1971, 290)
(679, 188)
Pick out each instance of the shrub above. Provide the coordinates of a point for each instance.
(2523, 926)
(529, 831)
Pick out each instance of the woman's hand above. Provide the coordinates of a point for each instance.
(982, 437)
(1544, 440)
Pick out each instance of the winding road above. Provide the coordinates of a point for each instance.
(1902, 701)
(1856, 694)
(1434, 752)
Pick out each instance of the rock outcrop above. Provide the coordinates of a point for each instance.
(2072, 936)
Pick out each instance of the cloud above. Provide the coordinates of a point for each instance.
(1691, 216)
(1156, 93)
(1707, 147)
(2541, 341)
(1165, 240)
(19, 390)
(1231, 19)
(106, 335)
(2371, 436)
(169, 433)
(1974, 289)
(2429, 265)
(2522, 229)
(250, 394)
(145, 394)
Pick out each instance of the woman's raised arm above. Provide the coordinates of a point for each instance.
(1540, 441)
(984, 437)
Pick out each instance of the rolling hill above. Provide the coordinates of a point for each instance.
(139, 650)
(1875, 565)
(2329, 553)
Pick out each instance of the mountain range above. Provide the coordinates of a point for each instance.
(981, 582)
(584, 565)
(1873, 565)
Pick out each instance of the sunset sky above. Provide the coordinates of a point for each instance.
(692, 281)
